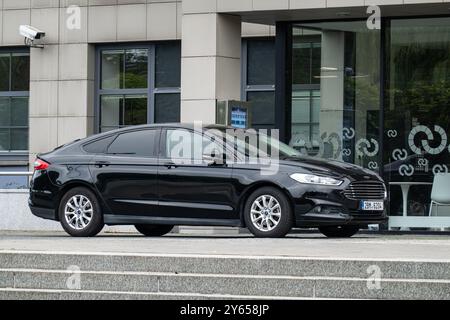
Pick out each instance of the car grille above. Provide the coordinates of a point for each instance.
(365, 190)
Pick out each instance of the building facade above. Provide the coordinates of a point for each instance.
(366, 82)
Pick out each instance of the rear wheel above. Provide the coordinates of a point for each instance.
(151, 230)
(80, 214)
(339, 231)
(268, 213)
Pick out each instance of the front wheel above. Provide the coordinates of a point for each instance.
(339, 231)
(268, 213)
(150, 230)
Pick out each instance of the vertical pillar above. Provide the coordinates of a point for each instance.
(210, 63)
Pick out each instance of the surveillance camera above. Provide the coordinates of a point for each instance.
(30, 33)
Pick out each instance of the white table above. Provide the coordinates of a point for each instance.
(405, 186)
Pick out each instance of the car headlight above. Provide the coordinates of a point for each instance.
(313, 179)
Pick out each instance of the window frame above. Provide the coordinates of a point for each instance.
(16, 156)
(151, 91)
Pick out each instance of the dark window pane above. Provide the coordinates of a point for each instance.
(20, 72)
(19, 111)
(167, 107)
(136, 68)
(4, 140)
(4, 71)
(19, 139)
(112, 69)
(135, 110)
(5, 112)
(316, 62)
(260, 62)
(99, 146)
(168, 65)
(263, 109)
(138, 143)
(111, 111)
(301, 63)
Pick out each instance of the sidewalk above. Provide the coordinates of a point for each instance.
(307, 245)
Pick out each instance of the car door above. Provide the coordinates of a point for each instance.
(126, 175)
(190, 188)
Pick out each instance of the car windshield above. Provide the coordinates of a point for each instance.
(254, 144)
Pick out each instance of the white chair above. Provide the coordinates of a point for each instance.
(440, 193)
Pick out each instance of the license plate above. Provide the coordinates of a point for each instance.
(371, 205)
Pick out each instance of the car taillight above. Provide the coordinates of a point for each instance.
(40, 165)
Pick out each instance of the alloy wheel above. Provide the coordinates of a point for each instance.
(265, 213)
(78, 212)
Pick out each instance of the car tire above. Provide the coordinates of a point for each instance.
(84, 220)
(151, 230)
(339, 231)
(268, 213)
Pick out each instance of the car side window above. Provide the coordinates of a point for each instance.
(180, 145)
(99, 146)
(142, 143)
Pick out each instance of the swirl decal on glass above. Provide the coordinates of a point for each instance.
(347, 152)
(406, 170)
(399, 154)
(348, 133)
(425, 143)
(365, 145)
(440, 168)
(392, 133)
(373, 165)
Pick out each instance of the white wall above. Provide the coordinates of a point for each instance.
(16, 216)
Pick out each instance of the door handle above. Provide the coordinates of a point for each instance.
(170, 165)
(101, 164)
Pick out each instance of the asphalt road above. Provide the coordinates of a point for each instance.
(306, 245)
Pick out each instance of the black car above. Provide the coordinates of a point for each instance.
(150, 177)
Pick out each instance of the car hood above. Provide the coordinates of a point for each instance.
(330, 167)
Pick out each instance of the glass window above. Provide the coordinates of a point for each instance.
(120, 111)
(5, 61)
(263, 109)
(124, 69)
(180, 144)
(168, 73)
(306, 58)
(14, 87)
(137, 143)
(99, 146)
(167, 107)
(336, 90)
(20, 72)
(260, 62)
(136, 89)
(417, 105)
(260, 81)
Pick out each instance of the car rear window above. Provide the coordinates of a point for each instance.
(99, 146)
(141, 143)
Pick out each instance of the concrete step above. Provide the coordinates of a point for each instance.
(52, 294)
(226, 264)
(40, 275)
(224, 284)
